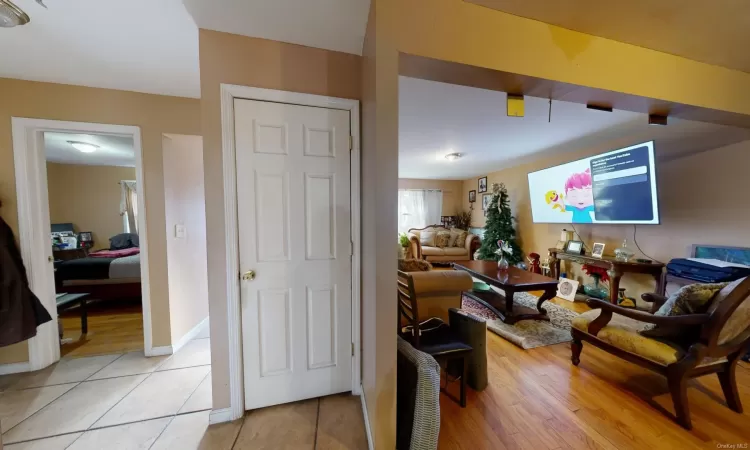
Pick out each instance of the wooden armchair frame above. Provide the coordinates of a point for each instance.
(706, 346)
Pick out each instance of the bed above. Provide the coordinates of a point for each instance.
(104, 274)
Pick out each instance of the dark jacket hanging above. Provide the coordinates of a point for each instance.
(21, 312)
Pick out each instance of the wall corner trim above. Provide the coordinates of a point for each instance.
(220, 416)
(368, 430)
(160, 351)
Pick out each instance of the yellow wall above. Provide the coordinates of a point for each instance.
(452, 191)
(88, 197)
(154, 114)
(184, 202)
(227, 58)
(700, 203)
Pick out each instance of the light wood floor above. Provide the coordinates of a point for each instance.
(538, 400)
(114, 327)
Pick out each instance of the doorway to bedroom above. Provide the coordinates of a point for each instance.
(93, 210)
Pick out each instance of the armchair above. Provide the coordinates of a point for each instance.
(723, 338)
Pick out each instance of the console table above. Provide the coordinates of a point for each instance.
(615, 268)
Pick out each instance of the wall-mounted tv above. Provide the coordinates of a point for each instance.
(614, 187)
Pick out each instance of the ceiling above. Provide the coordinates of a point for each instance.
(330, 24)
(438, 118)
(715, 31)
(113, 150)
(135, 45)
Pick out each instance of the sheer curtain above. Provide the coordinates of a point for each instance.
(129, 206)
(418, 209)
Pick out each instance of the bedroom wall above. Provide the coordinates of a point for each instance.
(184, 205)
(88, 197)
(452, 191)
(233, 59)
(154, 114)
(700, 199)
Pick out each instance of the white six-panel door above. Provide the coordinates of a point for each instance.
(293, 187)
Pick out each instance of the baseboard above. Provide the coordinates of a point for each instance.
(220, 416)
(370, 444)
(160, 351)
(7, 369)
(189, 335)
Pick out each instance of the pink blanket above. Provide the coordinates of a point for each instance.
(115, 253)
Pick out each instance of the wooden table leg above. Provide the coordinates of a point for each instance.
(614, 285)
(548, 295)
(509, 303)
(84, 316)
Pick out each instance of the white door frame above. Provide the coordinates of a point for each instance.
(234, 324)
(31, 192)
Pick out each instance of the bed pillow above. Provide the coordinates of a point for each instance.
(123, 241)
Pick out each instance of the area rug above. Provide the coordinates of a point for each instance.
(527, 333)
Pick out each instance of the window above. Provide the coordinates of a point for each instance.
(419, 208)
(129, 206)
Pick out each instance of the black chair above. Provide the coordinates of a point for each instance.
(433, 336)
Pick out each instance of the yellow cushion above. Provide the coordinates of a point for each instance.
(622, 332)
(432, 251)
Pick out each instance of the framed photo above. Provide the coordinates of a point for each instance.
(598, 250)
(483, 185)
(85, 236)
(472, 196)
(566, 289)
(486, 200)
(560, 245)
(574, 247)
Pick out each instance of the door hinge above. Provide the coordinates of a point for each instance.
(351, 248)
(352, 348)
(351, 143)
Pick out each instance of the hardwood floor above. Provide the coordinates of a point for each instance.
(114, 327)
(538, 399)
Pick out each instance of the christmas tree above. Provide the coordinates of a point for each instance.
(499, 226)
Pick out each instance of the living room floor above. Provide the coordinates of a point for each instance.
(537, 399)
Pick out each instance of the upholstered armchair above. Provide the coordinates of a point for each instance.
(437, 291)
(710, 342)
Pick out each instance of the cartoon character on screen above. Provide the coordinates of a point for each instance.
(579, 197)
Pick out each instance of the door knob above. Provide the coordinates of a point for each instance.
(248, 276)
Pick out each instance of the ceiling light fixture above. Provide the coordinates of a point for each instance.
(12, 16)
(656, 119)
(84, 147)
(453, 156)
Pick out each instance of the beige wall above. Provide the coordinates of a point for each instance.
(227, 58)
(154, 114)
(699, 198)
(88, 197)
(184, 204)
(452, 191)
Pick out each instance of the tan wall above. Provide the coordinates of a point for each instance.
(708, 212)
(88, 197)
(227, 58)
(154, 114)
(184, 204)
(452, 191)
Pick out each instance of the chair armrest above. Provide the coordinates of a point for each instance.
(441, 281)
(687, 319)
(416, 245)
(656, 299)
(469, 240)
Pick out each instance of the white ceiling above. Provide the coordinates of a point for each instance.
(136, 45)
(330, 24)
(438, 118)
(112, 151)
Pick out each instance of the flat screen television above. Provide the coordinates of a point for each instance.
(617, 187)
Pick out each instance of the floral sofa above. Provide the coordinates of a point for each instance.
(437, 243)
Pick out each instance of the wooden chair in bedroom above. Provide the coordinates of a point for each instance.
(722, 337)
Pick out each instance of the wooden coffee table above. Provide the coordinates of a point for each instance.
(512, 281)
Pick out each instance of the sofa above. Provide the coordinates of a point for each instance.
(422, 248)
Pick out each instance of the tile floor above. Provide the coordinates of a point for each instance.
(129, 402)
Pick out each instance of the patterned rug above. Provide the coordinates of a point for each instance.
(527, 333)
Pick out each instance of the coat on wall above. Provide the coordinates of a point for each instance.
(21, 312)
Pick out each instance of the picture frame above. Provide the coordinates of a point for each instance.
(486, 201)
(472, 196)
(566, 289)
(597, 251)
(561, 245)
(574, 247)
(482, 185)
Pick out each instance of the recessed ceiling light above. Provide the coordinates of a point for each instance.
(453, 156)
(84, 147)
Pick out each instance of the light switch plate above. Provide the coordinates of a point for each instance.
(179, 231)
